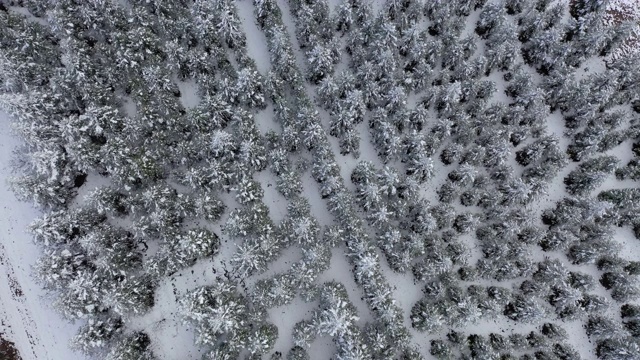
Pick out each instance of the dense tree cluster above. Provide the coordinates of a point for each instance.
(455, 122)
(226, 322)
(548, 342)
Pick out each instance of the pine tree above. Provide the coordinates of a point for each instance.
(618, 349)
(133, 347)
(336, 315)
(602, 327)
(133, 295)
(276, 291)
(321, 61)
(82, 298)
(623, 286)
(262, 340)
(218, 21)
(590, 174)
(491, 16)
(480, 347)
(298, 353)
(426, 317)
(441, 350)
(215, 310)
(250, 89)
(96, 334)
(524, 309)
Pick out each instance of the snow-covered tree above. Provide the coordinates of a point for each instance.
(133, 295)
(216, 311)
(97, 334)
(618, 349)
(426, 317)
(262, 340)
(590, 174)
(441, 350)
(524, 309)
(336, 315)
(298, 353)
(623, 286)
(249, 88)
(136, 346)
(218, 20)
(300, 226)
(276, 291)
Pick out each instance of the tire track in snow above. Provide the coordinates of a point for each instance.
(17, 300)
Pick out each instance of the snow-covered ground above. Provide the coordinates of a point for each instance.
(26, 315)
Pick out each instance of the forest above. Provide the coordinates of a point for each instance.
(332, 179)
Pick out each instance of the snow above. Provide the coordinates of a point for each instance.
(272, 198)
(26, 315)
(310, 189)
(341, 270)
(265, 120)
(188, 93)
(285, 317)
(256, 41)
(170, 336)
(129, 107)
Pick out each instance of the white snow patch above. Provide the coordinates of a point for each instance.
(256, 41)
(188, 93)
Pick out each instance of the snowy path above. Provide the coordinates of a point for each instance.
(26, 316)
